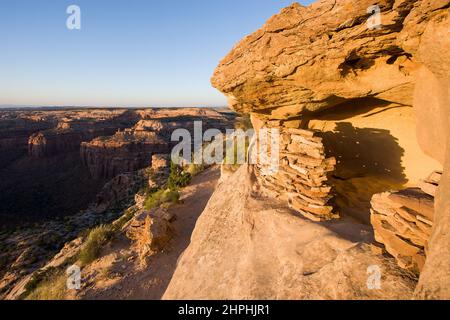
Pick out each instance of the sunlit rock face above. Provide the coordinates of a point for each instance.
(311, 58)
(132, 149)
(378, 95)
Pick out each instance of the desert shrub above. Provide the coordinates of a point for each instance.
(153, 200)
(53, 288)
(160, 197)
(195, 169)
(119, 223)
(96, 239)
(178, 178)
(46, 285)
(170, 196)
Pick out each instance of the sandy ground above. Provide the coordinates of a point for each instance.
(119, 274)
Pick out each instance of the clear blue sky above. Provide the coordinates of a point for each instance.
(127, 53)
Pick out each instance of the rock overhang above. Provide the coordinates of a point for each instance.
(308, 59)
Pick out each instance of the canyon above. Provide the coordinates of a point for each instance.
(47, 155)
(362, 184)
(67, 170)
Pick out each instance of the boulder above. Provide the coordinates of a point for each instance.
(151, 232)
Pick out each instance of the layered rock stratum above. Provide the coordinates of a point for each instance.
(132, 149)
(321, 67)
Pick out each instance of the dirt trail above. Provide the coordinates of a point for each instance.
(118, 275)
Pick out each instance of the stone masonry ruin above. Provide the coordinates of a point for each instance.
(302, 176)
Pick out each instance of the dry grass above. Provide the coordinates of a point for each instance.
(162, 197)
(53, 288)
(95, 241)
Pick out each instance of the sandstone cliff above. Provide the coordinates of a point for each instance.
(15, 131)
(316, 57)
(132, 149)
(317, 67)
(71, 131)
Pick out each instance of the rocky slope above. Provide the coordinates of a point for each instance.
(132, 163)
(245, 246)
(33, 248)
(317, 68)
(138, 261)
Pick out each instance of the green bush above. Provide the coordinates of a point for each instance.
(178, 178)
(195, 169)
(170, 196)
(160, 197)
(96, 239)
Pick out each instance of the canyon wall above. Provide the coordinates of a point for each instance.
(322, 67)
(132, 149)
(128, 151)
(41, 166)
(15, 131)
(70, 132)
(74, 178)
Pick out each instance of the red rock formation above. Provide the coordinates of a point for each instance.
(310, 59)
(14, 133)
(132, 149)
(151, 231)
(124, 152)
(69, 134)
(403, 222)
